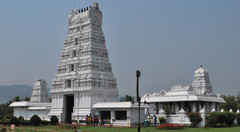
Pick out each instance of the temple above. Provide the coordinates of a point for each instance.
(196, 97)
(84, 74)
(39, 103)
(84, 84)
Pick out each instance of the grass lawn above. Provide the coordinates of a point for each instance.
(114, 129)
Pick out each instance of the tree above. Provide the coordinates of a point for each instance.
(26, 99)
(54, 120)
(14, 120)
(35, 120)
(21, 119)
(17, 98)
(231, 103)
(127, 98)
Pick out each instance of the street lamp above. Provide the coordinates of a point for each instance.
(138, 74)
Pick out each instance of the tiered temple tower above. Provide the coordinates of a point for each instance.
(39, 93)
(84, 75)
(201, 83)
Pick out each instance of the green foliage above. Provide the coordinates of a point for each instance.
(238, 118)
(35, 120)
(21, 119)
(195, 118)
(54, 120)
(167, 110)
(26, 123)
(230, 117)
(219, 125)
(9, 116)
(3, 129)
(231, 103)
(162, 120)
(216, 117)
(221, 117)
(26, 99)
(44, 122)
(127, 98)
(14, 120)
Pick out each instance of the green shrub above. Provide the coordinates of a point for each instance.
(44, 122)
(162, 120)
(3, 129)
(35, 120)
(195, 118)
(230, 117)
(26, 123)
(14, 120)
(221, 117)
(216, 117)
(21, 119)
(219, 125)
(238, 118)
(54, 120)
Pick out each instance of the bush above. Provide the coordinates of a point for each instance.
(35, 120)
(26, 123)
(14, 120)
(162, 120)
(3, 129)
(230, 117)
(21, 119)
(44, 122)
(195, 118)
(54, 120)
(238, 118)
(221, 117)
(219, 125)
(217, 117)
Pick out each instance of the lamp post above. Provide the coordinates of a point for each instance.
(138, 74)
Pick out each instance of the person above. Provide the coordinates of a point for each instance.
(97, 121)
(149, 119)
(87, 123)
(90, 120)
(155, 119)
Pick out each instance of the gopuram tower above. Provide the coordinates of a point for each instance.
(84, 75)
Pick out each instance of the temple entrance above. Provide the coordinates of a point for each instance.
(69, 104)
(105, 117)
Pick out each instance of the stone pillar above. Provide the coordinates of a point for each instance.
(217, 107)
(213, 107)
(160, 106)
(176, 108)
(182, 116)
(194, 109)
(182, 105)
(112, 116)
(199, 106)
(203, 115)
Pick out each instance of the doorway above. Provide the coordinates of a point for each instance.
(69, 108)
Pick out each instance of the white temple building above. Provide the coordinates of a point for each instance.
(84, 74)
(39, 103)
(197, 97)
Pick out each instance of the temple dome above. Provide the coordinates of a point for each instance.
(201, 70)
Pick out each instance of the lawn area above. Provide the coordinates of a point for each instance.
(115, 129)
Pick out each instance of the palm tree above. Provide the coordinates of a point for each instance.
(127, 98)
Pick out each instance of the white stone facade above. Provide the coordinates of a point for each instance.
(84, 71)
(197, 97)
(39, 93)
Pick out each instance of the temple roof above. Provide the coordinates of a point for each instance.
(201, 70)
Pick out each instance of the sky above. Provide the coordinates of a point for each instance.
(166, 40)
